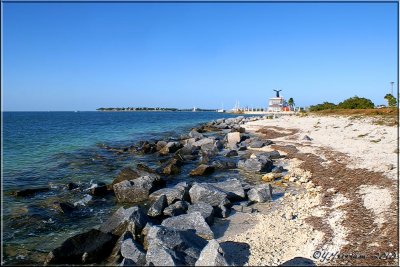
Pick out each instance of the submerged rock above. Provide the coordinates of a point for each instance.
(171, 167)
(100, 190)
(72, 186)
(144, 168)
(170, 147)
(67, 207)
(202, 170)
(126, 174)
(212, 255)
(30, 191)
(89, 247)
(192, 221)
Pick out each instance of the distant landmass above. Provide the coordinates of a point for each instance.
(153, 109)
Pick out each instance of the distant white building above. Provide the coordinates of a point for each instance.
(278, 103)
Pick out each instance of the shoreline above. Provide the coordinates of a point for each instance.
(299, 208)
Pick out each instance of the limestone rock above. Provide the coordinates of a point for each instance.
(233, 138)
(260, 193)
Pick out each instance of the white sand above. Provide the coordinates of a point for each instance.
(275, 238)
(369, 146)
(378, 200)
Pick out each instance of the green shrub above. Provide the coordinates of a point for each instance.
(356, 103)
(323, 106)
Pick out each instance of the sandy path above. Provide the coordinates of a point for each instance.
(353, 209)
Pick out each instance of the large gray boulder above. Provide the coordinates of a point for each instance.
(187, 150)
(178, 208)
(269, 155)
(212, 255)
(195, 134)
(170, 147)
(208, 194)
(132, 219)
(205, 210)
(132, 250)
(171, 247)
(89, 247)
(260, 193)
(158, 206)
(172, 194)
(192, 221)
(232, 187)
(223, 164)
(256, 164)
(260, 143)
(137, 190)
(203, 141)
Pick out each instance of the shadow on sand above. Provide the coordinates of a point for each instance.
(236, 253)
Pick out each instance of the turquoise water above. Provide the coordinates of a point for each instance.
(55, 148)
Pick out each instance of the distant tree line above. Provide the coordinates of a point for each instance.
(150, 109)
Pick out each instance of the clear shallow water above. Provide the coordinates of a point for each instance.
(55, 148)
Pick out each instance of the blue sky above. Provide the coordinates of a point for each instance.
(85, 56)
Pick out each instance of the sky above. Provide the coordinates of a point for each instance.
(76, 56)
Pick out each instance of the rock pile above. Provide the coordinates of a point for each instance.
(174, 229)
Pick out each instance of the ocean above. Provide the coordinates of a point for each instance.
(55, 148)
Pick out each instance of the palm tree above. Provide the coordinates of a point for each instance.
(291, 102)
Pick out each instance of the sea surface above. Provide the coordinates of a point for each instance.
(55, 148)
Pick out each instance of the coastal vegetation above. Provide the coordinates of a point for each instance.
(291, 103)
(392, 101)
(350, 103)
(150, 109)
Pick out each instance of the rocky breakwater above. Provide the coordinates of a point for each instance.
(174, 228)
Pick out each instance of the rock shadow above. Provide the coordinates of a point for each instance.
(299, 261)
(219, 227)
(237, 253)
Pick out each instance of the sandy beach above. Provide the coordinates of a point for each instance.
(347, 213)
